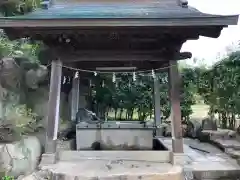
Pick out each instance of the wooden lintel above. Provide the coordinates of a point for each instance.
(115, 56)
(141, 66)
(41, 33)
(121, 22)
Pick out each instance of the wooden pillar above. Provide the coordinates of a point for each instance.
(75, 98)
(53, 107)
(157, 112)
(174, 87)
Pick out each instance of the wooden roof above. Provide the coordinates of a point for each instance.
(124, 13)
(88, 34)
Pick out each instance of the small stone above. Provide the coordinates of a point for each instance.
(109, 166)
(232, 134)
(20, 177)
(44, 174)
(233, 153)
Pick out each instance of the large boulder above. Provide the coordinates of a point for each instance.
(238, 130)
(167, 129)
(10, 74)
(194, 127)
(209, 124)
(38, 175)
(38, 101)
(34, 76)
(20, 157)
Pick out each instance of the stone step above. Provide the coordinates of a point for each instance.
(224, 134)
(224, 144)
(210, 175)
(212, 170)
(233, 153)
(151, 156)
(216, 175)
(113, 170)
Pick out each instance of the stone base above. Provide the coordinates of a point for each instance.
(215, 175)
(152, 156)
(179, 159)
(48, 159)
(177, 145)
(106, 170)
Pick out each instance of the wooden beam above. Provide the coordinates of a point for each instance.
(81, 33)
(119, 56)
(144, 65)
(213, 20)
(174, 82)
(53, 107)
(111, 56)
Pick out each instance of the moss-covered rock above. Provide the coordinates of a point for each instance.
(21, 157)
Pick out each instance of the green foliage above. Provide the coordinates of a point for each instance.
(19, 120)
(127, 97)
(18, 7)
(220, 88)
(23, 49)
(8, 178)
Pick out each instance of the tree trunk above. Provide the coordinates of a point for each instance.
(115, 113)
(224, 120)
(121, 112)
(219, 119)
(232, 121)
(126, 115)
(131, 115)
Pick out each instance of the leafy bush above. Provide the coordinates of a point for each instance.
(19, 120)
(8, 178)
(18, 7)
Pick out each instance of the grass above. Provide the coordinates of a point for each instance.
(111, 115)
(200, 111)
(7, 178)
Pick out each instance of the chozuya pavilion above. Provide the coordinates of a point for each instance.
(146, 34)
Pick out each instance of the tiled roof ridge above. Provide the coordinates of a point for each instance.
(183, 3)
(45, 4)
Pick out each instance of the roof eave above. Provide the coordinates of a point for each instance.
(118, 22)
